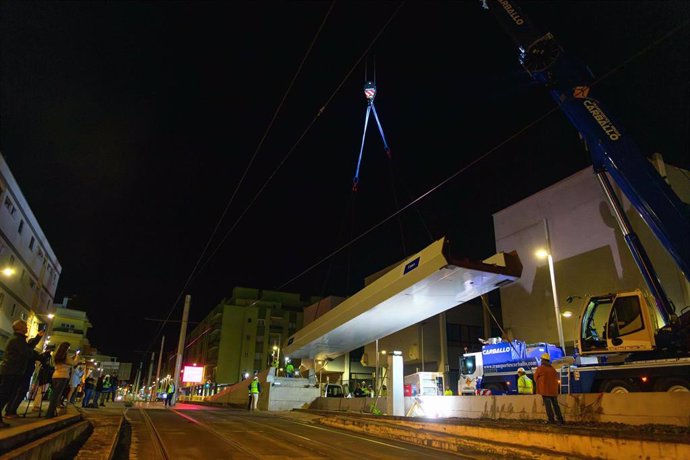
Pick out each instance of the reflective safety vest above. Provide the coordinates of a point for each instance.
(171, 388)
(525, 385)
(289, 368)
(254, 387)
(448, 392)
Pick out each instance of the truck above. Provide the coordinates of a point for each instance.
(493, 370)
(626, 341)
(424, 384)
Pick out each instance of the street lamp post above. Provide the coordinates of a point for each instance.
(546, 254)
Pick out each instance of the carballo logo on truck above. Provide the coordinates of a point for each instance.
(494, 351)
(601, 118)
(511, 11)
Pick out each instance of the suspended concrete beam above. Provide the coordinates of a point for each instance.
(425, 284)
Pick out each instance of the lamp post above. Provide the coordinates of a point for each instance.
(546, 254)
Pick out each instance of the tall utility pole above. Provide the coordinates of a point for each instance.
(180, 347)
(160, 358)
(148, 381)
(137, 380)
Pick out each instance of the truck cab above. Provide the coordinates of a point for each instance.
(617, 323)
(471, 371)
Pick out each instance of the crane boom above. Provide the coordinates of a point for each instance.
(613, 152)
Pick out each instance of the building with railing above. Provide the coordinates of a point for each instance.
(29, 269)
(69, 325)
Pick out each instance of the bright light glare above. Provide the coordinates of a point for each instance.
(567, 314)
(8, 271)
(542, 253)
(51, 316)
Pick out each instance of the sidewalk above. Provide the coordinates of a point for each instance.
(106, 423)
(26, 433)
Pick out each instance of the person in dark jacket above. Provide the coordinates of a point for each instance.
(547, 386)
(18, 354)
(23, 387)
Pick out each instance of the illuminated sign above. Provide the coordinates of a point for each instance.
(193, 374)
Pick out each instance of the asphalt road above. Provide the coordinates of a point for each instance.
(197, 432)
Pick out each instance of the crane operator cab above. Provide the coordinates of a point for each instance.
(617, 323)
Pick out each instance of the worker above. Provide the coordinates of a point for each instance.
(448, 392)
(547, 386)
(524, 383)
(289, 369)
(255, 390)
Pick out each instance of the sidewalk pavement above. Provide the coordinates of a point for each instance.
(105, 423)
(25, 430)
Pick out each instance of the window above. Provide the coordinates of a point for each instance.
(21, 226)
(2, 298)
(31, 243)
(23, 316)
(23, 273)
(9, 205)
(11, 260)
(626, 316)
(40, 254)
(14, 309)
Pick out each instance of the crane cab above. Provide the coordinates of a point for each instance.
(617, 323)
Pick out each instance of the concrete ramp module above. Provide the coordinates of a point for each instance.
(427, 283)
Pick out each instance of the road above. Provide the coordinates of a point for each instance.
(197, 432)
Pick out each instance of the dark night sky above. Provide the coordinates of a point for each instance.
(128, 126)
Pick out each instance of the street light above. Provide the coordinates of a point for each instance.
(544, 254)
(8, 271)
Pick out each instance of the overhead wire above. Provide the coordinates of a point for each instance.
(498, 146)
(304, 133)
(194, 270)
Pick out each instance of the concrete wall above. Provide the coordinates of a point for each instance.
(589, 253)
(631, 409)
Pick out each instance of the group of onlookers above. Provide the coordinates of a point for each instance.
(58, 373)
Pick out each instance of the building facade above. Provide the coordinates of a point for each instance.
(29, 269)
(589, 252)
(243, 333)
(69, 325)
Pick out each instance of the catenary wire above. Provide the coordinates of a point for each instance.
(244, 174)
(299, 140)
(498, 146)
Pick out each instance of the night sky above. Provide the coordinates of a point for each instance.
(129, 125)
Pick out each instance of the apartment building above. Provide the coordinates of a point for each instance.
(243, 333)
(29, 269)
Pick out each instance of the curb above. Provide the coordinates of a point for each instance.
(528, 442)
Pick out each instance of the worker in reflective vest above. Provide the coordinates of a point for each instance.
(255, 390)
(289, 369)
(525, 386)
(448, 392)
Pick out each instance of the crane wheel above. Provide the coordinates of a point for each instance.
(673, 385)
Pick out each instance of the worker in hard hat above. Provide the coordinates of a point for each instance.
(547, 386)
(524, 383)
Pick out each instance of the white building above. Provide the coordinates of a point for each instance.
(29, 269)
(590, 254)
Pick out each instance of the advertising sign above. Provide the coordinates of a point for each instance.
(193, 374)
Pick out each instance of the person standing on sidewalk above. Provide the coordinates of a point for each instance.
(17, 356)
(74, 382)
(25, 381)
(255, 390)
(89, 385)
(63, 365)
(547, 386)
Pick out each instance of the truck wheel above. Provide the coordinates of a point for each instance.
(618, 386)
(673, 384)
